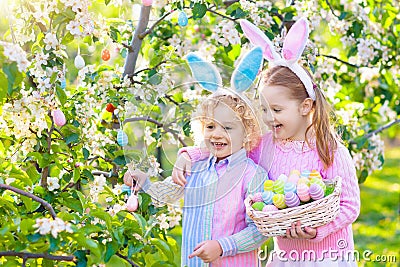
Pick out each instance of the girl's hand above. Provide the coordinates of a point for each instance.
(208, 251)
(295, 232)
(182, 167)
(137, 176)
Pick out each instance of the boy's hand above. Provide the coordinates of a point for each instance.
(208, 251)
(137, 176)
(182, 167)
(296, 232)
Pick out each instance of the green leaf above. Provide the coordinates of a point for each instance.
(67, 38)
(163, 246)
(3, 86)
(120, 160)
(77, 175)
(13, 74)
(73, 138)
(199, 10)
(232, 8)
(116, 261)
(111, 249)
(102, 215)
(86, 153)
(107, 2)
(61, 95)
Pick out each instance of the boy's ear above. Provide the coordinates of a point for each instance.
(306, 106)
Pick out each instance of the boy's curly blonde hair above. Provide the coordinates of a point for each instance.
(241, 106)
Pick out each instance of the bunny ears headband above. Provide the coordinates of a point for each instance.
(293, 47)
(207, 75)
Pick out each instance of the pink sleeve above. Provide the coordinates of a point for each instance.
(350, 198)
(195, 153)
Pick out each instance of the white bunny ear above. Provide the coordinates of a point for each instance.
(205, 73)
(295, 41)
(247, 70)
(258, 38)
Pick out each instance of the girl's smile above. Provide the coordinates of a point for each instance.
(286, 117)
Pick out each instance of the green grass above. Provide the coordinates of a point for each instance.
(376, 229)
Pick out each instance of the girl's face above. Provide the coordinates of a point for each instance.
(224, 132)
(286, 117)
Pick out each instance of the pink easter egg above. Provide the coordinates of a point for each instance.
(269, 208)
(303, 192)
(257, 197)
(292, 200)
(58, 117)
(147, 2)
(293, 178)
(316, 192)
(132, 203)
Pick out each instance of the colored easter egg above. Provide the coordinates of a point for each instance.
(316, 192)
(305, 173)
(292, 200)
(258, 205)
(315, 174)
(283, 177)
(289, 187)
(63, 83)
(318, 181)
(122, 138)
(267, 197)
(182, 19)
(257, 197)
(110, 107)
(269, 208)
(295, 172)
(268, 185)
(147, 2)
(303, 192)
(132, 203)
(303, 180)
(279, 201)
(293, 178)
(279, 186)
(59, 118)
(79, 62)
(105, 54)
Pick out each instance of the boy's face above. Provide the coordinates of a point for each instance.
(284, 116)
(224, 132)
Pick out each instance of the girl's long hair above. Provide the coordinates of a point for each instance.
(321, 127)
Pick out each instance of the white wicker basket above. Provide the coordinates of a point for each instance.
(313, 214)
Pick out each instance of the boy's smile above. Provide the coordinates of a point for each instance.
(223, 133)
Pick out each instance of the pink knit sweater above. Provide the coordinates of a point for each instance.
(334, 238)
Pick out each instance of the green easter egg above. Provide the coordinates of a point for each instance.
(279, 186)
(258, 205)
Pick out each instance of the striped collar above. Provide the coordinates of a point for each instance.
(231, 161)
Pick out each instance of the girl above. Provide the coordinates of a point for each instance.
(215, 228)
(301, 138)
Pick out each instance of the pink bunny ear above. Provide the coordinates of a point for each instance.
(258, 38)
(295, 40)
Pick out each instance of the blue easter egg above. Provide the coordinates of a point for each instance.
(182, 19)
(267, 197)
(289, 187)
(122, 138)
(63, 83)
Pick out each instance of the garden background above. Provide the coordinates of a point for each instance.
(87, 87)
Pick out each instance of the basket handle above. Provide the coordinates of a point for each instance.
(338, 186)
